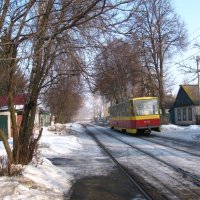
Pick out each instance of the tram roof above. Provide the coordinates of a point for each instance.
(135, 98)
(138, 98)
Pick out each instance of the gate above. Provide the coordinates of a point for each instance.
(4, 124)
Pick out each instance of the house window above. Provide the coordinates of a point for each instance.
(179, 114)
(184, 114)
(189, 114)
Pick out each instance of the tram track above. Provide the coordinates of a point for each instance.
(123, 170)
(167, 192)
(190, 177)
(179, 142)
(182, 145)
(180, 148)
(183, 172)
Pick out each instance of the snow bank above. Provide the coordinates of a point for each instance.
(42, 180)
(37, 181)
(171, 127)
(187, 133)
(48, 176)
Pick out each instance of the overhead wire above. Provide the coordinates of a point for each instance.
(189, 57)
(177, 63)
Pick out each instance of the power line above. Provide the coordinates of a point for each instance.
(194, 31)
(190, 42)
(194, 38)
(187, 57)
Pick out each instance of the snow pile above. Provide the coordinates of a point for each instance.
(193, 127)
(48, 176)
(171, 127)
(187, 133)
(42, 179)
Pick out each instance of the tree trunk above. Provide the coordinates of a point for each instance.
(12, 113)
(162, 97)
(7, 146)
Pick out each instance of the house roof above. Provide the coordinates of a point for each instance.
(193, 93)
(18, 100)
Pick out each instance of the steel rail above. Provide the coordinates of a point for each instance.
(178, 141)
(195, 179)
(175, 148)
(120, 167)
(178, 169)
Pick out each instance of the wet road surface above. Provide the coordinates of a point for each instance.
(111, 187)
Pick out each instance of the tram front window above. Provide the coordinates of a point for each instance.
(146, 107)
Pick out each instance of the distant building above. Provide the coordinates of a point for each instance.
(42, 118)
(186, 109)
(5, 119)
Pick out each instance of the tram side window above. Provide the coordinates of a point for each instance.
(122, 110)
(131, 110)
(126, 109)
(117, 111)
(110, 111)
(113, 111)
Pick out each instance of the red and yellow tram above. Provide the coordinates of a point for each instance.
(137, 115)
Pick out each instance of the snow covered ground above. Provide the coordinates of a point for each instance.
(188, 133)
(42, 180)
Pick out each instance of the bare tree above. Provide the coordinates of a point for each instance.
(19, 80)
(161, 34)
(65, 86)
(117, 69)
(38, 35)
(70, 100)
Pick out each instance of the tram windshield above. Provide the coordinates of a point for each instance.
(146, 107)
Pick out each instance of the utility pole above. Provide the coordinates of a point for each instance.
(198, 73)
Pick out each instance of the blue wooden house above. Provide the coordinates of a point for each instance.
(186, 109)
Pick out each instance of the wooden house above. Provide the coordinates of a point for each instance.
(186, 108)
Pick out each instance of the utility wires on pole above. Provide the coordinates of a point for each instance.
(198, 73)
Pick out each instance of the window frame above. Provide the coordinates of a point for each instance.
(190, 114)
(179, 114)
(184, 114)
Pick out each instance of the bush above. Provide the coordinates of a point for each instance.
(7, 169)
